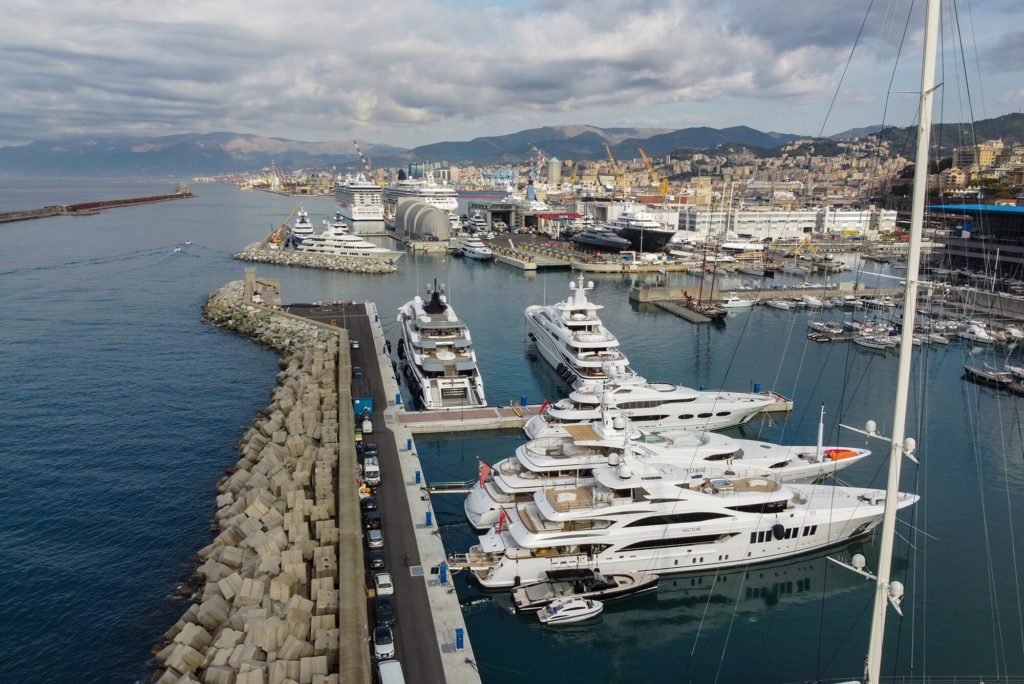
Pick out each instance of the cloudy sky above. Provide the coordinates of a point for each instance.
(421, 71)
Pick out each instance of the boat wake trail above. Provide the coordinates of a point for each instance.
(97, 261)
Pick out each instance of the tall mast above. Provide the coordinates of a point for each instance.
(873, 665)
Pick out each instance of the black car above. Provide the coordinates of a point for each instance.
(377, 559)
(357, 372)
(369, 449)
(369, 503)
(372, 520)
(384, 610)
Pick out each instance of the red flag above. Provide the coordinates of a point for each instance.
(543, 406)
(485, 470)
(501, 520)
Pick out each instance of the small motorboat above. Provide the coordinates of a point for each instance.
(779, 304)
(735, 302)
(569, 610)
(581, 583)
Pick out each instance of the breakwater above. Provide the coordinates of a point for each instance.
(88, 208)
(267, 604)
(260, 253)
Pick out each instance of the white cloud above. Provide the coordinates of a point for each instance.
(428, 70)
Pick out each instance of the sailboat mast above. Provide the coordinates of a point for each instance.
(874, 659)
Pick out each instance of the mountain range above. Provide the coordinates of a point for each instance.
(192, 154)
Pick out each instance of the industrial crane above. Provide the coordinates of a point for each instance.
(660, 183)
(620, 180)
(366, 163)
(540, 160)
(277, 237)
(572, 173)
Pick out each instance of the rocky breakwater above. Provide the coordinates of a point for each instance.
(267, 606)
(258, 251)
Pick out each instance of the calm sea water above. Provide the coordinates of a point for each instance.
(119, 411)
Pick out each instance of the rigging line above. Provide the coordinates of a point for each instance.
(849, 58)
(1013, 544)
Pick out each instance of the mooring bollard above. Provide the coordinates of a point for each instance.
(418, 477)
(443, 570)
(429, 516)
(460, 639)
(408, 443)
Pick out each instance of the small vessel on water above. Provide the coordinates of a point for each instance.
(569, 610)
(570, 337)
(734, 302)
(988, 376)
(302, 229)
(474, 248)
(436, 350)
(584, 583)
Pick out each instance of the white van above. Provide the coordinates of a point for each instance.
(391, 672)
(371, 471)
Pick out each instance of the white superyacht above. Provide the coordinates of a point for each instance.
(651, 404)
(568, 459)
(474, 248)
(570, 337)
(437, 352)
(662, 518)
(339, 242)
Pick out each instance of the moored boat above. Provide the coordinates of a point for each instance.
(569, 610)
(584, 583)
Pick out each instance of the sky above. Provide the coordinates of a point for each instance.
(421, 71)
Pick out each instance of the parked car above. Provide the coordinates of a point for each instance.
(377, 559)
(357, 372)
(384, 610)
(375, 539)
(383, 643)
(355, 344)
(382, 583)
(367, 426)
(368, 503)
(372, 520)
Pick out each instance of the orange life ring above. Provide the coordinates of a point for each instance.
(839, 454)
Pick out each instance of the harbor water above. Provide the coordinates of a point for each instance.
(119, 410)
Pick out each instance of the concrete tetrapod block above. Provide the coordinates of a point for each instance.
(250, 593)
(283, 586)
(193, 636)
(267, 634)
(229, 638)
(213, 611)
(185, 659)
(317, 584)
(299, 609)
(326, 643)
(231, 556)
(327, 602)
(321, 622)
(219, 674)
(294, 648)
(254, 676)
(313, 665)
(281, 671)
(230, 585)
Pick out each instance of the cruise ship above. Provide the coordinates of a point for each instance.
(443, 197)
(651, 404)
(341, 243)
(359, 198)
(570, 337)
(637, 516)
(437, 355)
(567, 458)
(643, 232)
(303, 227)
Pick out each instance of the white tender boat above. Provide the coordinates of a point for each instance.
(779, 304)
(570, 337)
(565, 611)
(976, 332)
(651, 405)
(562, 584)
(474, 248)
(569, 458)
(437, 352)
(735, 302)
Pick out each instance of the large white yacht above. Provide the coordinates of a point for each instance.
(360, 199)
(303, 227)
(339, 242)
(658, 517)
(570, 337)
(474, 248)
(569, 457)
(437, 355)
(651, 404)
(477, 223)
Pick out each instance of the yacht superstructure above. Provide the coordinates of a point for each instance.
(570, 337)
(474, 248)
(302, 228)
(651, 404)
(644, 233)
(360, 199)
(659, 517)
(568, 457)
(437, 352)
(339, 242)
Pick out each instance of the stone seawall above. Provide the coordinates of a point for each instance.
(260, 253)
(267, 605)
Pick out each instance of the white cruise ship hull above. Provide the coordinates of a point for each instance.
(361, 213)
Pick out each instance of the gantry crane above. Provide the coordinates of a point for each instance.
(660, 183)
(620, 180)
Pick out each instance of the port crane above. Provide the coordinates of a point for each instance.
(620, 180)
(362, 158)
(660, 183)
(277, 237)
(540, 161)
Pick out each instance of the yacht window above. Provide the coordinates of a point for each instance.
(674, 518)
(686, 416)
(766, 507)
(720, 457)
(703, 415)
(724, 413)
(663, 542)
